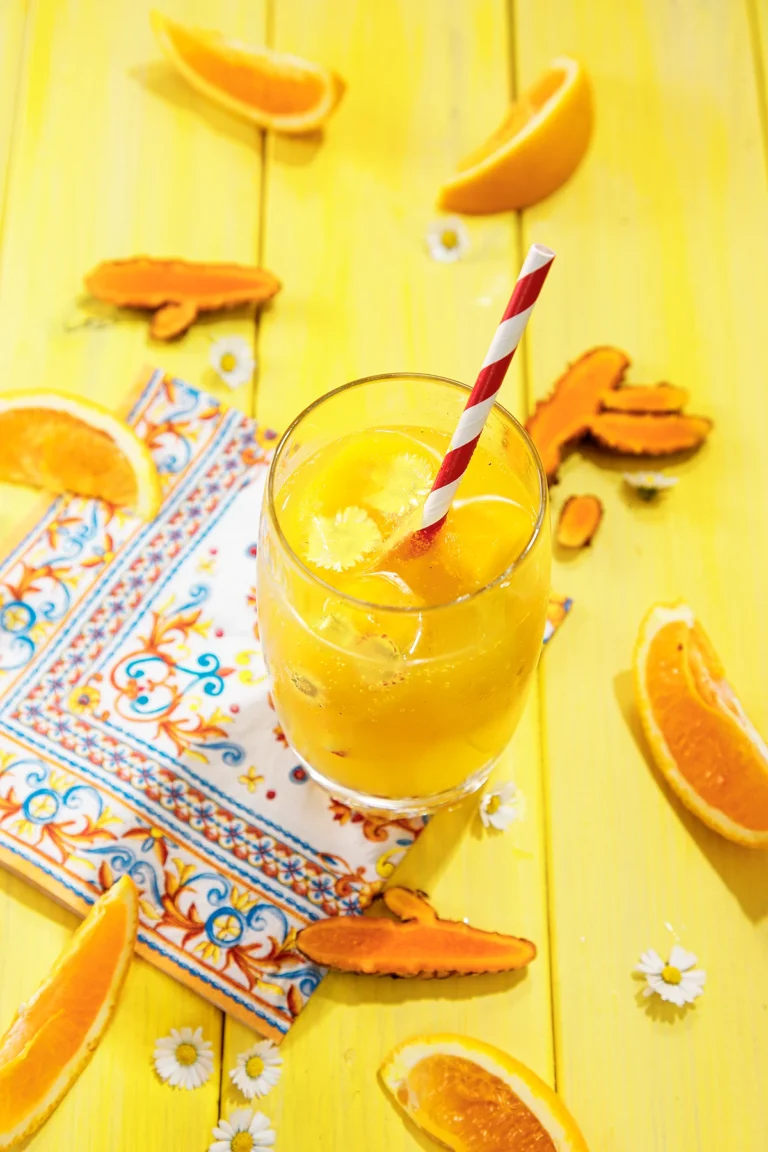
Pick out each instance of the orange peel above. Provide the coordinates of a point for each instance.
(56, 1032)
(702, 741)
(468, 1095)
(534, 150)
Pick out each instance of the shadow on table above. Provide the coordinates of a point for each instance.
(161, 79)
(661, 1010)
(743, 870)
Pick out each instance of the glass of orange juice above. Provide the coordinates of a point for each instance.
(399, 674)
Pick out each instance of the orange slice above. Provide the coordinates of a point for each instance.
(535, 149)
(64, 444)
(474, 1098)
(271, 89)
(56, 1032)
(703, 744)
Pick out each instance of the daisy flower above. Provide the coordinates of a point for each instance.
(677, 980)
(649, 484)
(232, 360)
(244, 1131)
(183, 1059)
(447, 239)
(502, 806)
(257, 1070)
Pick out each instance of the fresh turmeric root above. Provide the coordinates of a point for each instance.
(643, 435)
(177, 290)
(577, 396)
(579, 520)
(420, 945)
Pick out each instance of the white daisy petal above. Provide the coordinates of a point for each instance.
(649, 482)
(232, 360)
(447, 239)
(180, 1073)
(681, 959)
(255, 1124)
(682, 985)
(223, 1132)
(240, 1119)
(651, 963)
(502, 806)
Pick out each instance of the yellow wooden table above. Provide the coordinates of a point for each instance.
(662, 241)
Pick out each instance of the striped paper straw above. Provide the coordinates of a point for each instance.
(482, 397)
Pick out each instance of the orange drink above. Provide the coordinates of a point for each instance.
(398, 673)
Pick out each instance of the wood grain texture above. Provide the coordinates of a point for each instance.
(662, 241)
(345, 223)
(113, 155)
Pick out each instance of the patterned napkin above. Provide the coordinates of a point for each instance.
(137, 734)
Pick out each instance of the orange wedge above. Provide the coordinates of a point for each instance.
(703, 744)
(472, 1097)
(65, 444)
(55, 1033)
(271, 89)
(535, 149)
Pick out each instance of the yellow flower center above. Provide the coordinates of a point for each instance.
(449, 239)
(493, 805)
(671, 975)
(186, 1055)
(229, 363)
(242, 1142)
(156, 833)
(254, 1067)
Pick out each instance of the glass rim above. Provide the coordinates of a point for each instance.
(405, 609)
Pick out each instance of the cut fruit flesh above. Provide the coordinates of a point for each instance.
(56, 1031)
(272, 89)
(63, 443)
(472, 1097)
(701, 739)
(535, 149)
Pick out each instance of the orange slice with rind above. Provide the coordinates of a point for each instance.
(534, 150)
(472, 1097)
(702, 741)
(55, 1033)
(272, 89)
(63, 443)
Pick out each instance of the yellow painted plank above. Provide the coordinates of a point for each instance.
(13, 16)
(345, 216)
(118, 1102)
(117, 156)
(662, 238)
(345, 222)
(113, 156)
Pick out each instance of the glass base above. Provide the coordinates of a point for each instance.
(399, 806)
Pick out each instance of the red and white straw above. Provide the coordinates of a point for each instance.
(482, 397)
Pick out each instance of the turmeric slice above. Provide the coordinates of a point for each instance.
(579, 520)
(176, 290)
(659, 398)
(420, 945)
(648, 435)
(577, 396)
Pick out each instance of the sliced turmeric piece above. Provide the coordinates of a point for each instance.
(649, 435)
(657, 398)
(178, 288)
(579, 520)
(420, 945)
(577, 396)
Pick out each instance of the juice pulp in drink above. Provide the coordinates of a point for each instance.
(398, 673)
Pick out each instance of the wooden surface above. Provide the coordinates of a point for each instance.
(662, 241)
